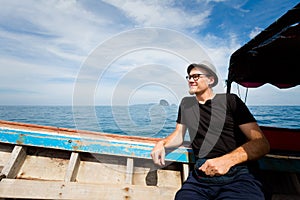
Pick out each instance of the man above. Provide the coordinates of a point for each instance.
(224, 136)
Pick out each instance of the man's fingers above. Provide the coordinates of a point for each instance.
(155, 157)
(158, 158)
(162, 158)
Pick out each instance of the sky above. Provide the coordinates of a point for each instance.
(115, 52)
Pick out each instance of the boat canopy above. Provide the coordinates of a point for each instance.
(271, 57)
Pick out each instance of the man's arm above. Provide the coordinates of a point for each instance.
(256, 147)
(175, 139)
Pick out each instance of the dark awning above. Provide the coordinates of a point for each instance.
(273, 56)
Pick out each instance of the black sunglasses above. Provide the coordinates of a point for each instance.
(195, 76)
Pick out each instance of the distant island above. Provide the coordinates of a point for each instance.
(163, 102)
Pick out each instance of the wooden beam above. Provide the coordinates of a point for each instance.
(186, 171)
(129, 171)
(17, 158)
(73, 166)
(169, 178)
(29, 189)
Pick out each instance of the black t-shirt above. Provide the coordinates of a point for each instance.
(214, 126)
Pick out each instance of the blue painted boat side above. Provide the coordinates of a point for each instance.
(82, 143)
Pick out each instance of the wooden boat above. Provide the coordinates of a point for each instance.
(42, 162)
(258, 62)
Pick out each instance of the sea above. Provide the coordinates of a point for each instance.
(146, 120)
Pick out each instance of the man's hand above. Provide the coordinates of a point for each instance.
(174, 140)
(256, 147)
(215, 167)
(158, 153)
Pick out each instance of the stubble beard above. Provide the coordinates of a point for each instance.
(192, 91)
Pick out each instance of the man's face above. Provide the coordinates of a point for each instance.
(199, 81)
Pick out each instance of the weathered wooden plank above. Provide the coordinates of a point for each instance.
(5, 153)
(129, 171)
(73, 166)
(82, 143)
(186, 171)
(102, 169)
(168, 178)
(12, 167)
(144, 172)
(37, 167)
(71, 190)
(4, 157)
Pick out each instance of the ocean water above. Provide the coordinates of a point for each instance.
(277, 116)
(149, 120)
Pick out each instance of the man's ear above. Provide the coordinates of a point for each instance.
(211, 80)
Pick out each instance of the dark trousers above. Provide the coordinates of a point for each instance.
(238, 184)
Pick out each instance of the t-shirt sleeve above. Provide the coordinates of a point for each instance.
(180, 119)
(241, 114)
(180, 116)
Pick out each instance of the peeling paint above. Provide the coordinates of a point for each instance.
(20, 139)
(98, 145)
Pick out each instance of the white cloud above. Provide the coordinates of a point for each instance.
(255, 32)
(271, 95)
(65, 24)
(220, 50)
(44, 43)
(55, 36)
(162, 14)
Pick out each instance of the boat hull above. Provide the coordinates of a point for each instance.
(41, 162)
